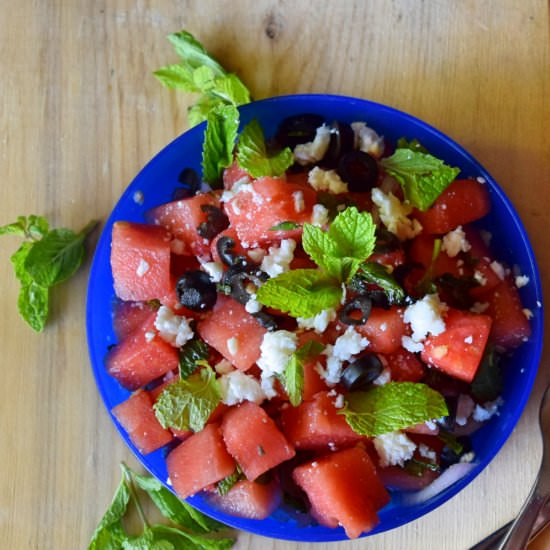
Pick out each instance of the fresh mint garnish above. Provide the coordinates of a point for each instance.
(391, 407)
(422, 176)
(191, 354)
(285, 226)
(46, 258)
(227, 483)
(188, 403)
(379, 275)
(293, 375)
(300, 292)
(188, 528)
(252, 153)
(199, 72)
(413, 145)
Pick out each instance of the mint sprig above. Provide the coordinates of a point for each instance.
(187, 529)
(422, 176)
(253, 157)
(46, 258)
(188, 403)
(379, 275)
(393, 406)
(191, 354)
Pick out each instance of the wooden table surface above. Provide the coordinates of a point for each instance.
(80, 114)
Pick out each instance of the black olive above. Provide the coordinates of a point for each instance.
(190, 179)
(362, 304)
(341, 142)
(267, 320)
(448, 422)
(224, 247)
(362, 372)
(196, 291)
(298, 129)
(216, 222)
(236, 279)
(359, 170)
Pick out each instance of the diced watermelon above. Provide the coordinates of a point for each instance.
(253, 439)
(183, 218)
(464, 201)
(137, 417)
(199, 461)
(250, 499)
(142, 357)
(405, 366)
(459, 349)
(421, 251)
(272, 201)
(384, 329)
(510, 325)
(394, 477)
(313, 383)
(392, 258)
(140, 261)
(487, 277)
(316, 425)
(233, 174)
(343, 489)
(128, 316)
(228, 326)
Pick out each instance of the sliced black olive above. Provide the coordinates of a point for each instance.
(190, 179)
(216, 222)
(362, 372)
(266, 320)
(196, 291)
(298, 129)
(341, 142)
(236, 279)
(224, 247)
(359, 170)
(362, 304)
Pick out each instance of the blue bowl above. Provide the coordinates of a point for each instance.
(157, 181)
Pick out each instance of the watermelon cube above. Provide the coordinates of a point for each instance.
(384, 329)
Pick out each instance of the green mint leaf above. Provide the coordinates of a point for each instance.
(145, 541)
(451, 441)
(57, 256)
(252, 154)
(422, 176)
(199, 112)
(193, 53)
(285, 226)
(393, 406)
(109, 534)
(293, 375)
(188, 403)
(174, 509)
(15, 228)
(190, 354)
(224, 486)
(186, 541)
(177, 76)
(300, 292)
(349, 241)
(378, 274)
(32, 227)
(417, 468)
(219, 141)
(231, 89)
(413, 145)
(487, 384)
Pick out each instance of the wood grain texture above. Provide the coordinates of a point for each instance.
(80, 114)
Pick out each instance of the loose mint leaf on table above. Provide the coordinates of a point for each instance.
(422, 176)
(393, 406)
(300, 292)
(252, 154)
(219, 141)
(31, 227)
(378, 274)
(188, 403)
(181, 540)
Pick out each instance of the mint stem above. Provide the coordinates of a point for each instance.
(90, 226)
(133, 493)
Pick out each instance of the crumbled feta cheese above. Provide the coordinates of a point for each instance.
(339, 401)
(481, 179)
(242, 185)
(172, 328)
(268, 386)
(367, 140)
(232, 345)
(498, 269)
(319, 322)
(313, 151)
(237, 387)
(299, 204)
(150, 336)
(276, 349)
(279, 258)
(138, 197)
(253, 306)
(319, 216)
(528, 313)
(479, 307)
(410, 345)
(455, 242)
(480, 278)
(383, 378)
(326, 180)
(394, 215)
(426, 452)
(424, 316)
(394, 449)
(484, 412)
(214, 269)
(384, 327)
(142, 268)
(224, 367)
(521, 281)
(257, 254)
(468, 339)
(467, 457)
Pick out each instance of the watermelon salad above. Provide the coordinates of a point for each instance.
(316, 329)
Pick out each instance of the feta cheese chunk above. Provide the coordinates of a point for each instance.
(313, 151)
(367, 140)
(253, 306)
(455, 242)
(498, 268)
(521, 281)
(278, 259)
(326, 180)
(319, 216)
(172, 328)
(237, 387)
(394, 215)
(299, 204)
(142, 268)
(276, 349)
(319, 322)
(214, 269)
(484, 412)
(242, 185)
(425, 317)
(394, 449)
